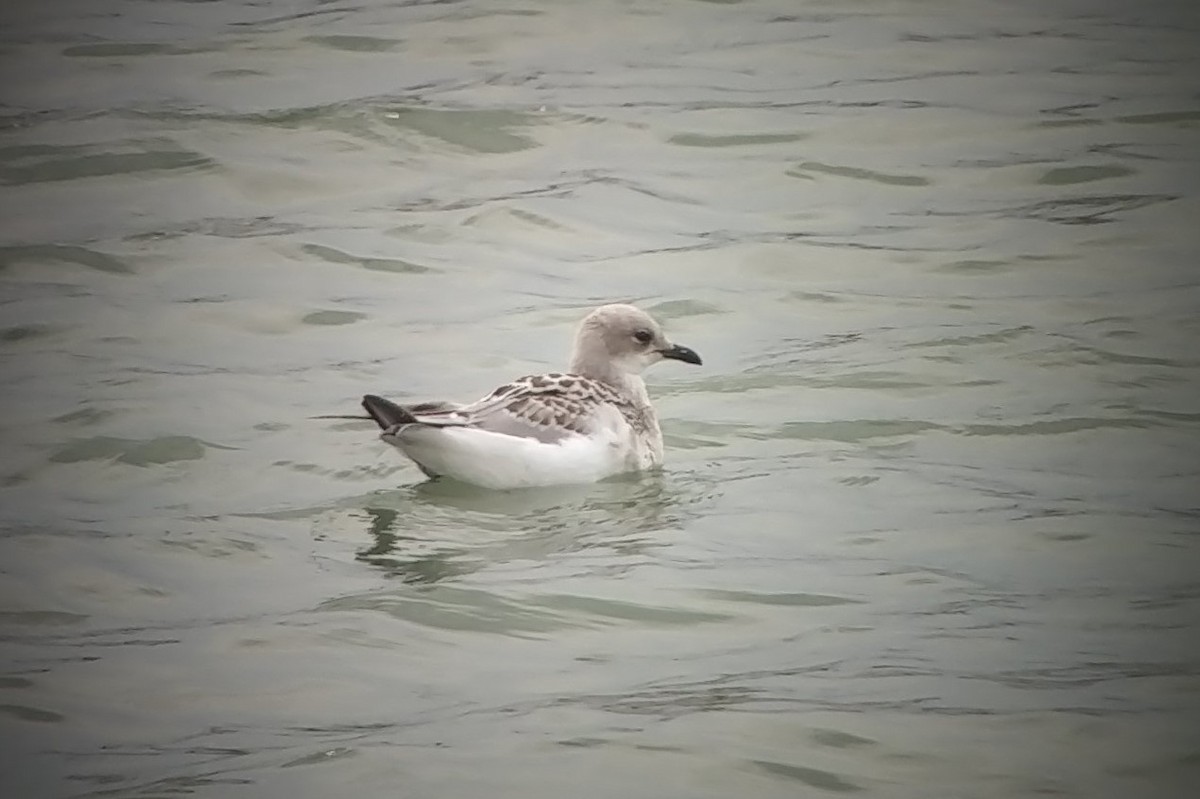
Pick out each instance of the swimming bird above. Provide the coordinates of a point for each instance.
(590, 422)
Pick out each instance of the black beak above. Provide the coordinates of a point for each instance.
(678, 353)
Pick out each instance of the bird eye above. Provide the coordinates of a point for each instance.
(643, 336)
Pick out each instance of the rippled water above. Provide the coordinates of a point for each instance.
(929, 520)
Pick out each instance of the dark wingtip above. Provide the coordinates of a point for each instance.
(385, 412)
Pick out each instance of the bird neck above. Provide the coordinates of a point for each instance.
(629, 384)
(635, 387)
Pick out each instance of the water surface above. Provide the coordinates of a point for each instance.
(929, 519)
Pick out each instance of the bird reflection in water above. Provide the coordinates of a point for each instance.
(439, 530)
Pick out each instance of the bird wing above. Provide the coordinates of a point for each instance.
(549, 408)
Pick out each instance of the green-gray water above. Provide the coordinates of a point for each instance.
(929, 521)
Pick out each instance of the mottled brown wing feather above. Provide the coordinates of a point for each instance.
(545, 407)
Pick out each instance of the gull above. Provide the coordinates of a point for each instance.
(591, 422)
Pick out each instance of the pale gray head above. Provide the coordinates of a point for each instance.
(616, 340)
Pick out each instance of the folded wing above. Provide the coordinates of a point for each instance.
(548, 408)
